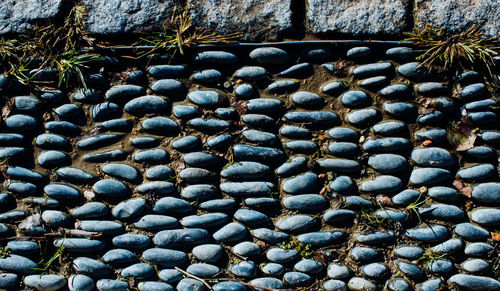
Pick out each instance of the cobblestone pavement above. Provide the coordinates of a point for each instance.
(321, 168)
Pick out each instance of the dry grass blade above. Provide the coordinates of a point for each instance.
(467, 50)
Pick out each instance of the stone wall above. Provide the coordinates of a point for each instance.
(265, 20)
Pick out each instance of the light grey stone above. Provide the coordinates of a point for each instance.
(255, 19)
(114, 17)
(18, 15)
(363, 17)
(458, 15)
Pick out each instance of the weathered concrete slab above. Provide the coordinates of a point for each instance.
(458, 15)
(18, 15)
(120, 16)
(357, 18)
(256, 19)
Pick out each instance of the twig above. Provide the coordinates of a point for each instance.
(194, 277)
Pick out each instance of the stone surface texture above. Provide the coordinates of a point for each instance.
(18, 15)
(357, 18)
(255, 19)
(458, 15)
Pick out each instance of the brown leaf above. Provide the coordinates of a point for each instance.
(343, 68)
(426, 142)
(495, 236)
(240, 106)
(321, 257)
(461, 134)
(463, 188)
(384, 200)
(7, 108)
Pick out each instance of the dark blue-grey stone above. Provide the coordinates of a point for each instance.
(364, 254)
(474, 91)
(245, 90)
(414, 71)
(55, 218)
(475, 266)
(269, 55)
(75, 244)
(476, 172)
(432, 88)
(200, 192)
(246, 171)
(441, 266)
(305, 202)
(445, 194)
(334, 285)
(300, 70)
(375, 238)
(40, 201)
(261, 202)
(247, 249)
(430, 285)
(226, 113)
(23, 247)
(159, 172)
(129, 208)
(229, 286)
(381, 184)
(218, 204)
(106, 111)
(308, 266)
(184, 111)
(449, 247)
(374, 69)
(204, 220)
(111, 285)
(180, 237)
(362, 117)
(17, 264)
(374, 82)
(160, 125)
(123, 93)
(157, 187)
(196, 175)
(188, 284)
(343, 166)
(400, 53)
(359, 52)
(120, 125)
(444, 104)
(154, 286)
(187, 143)
(63, 127)
(21, 123)
(343, 134)
(215, 58)
(201, 159)
(265, 155)
(164, 257)
(97, 141)
(207, 76)
(24, 174)
(303, 183)
(283, 86)
(11, 139)
(144, 142)
(53, 159)
(210, 253)
(429, 176)
(436, 135)
(45, 282)
(296, 223)
(386, 144)
(251, 73)
(260, 137)
(250, 217)
(146, 105)
(104, 226)
(244, 269)
(13, 215)
(343, 184)
(409, 252)
(91, 267)
(339, 216)
(105, 156)
(139, 271)
(50, 141)
(231, 232)
(481, 105)
(79, 282)
(444, 212)
(272, 269)
(24, 188)
(487, 193)
(154, 222)
(343, 149)
(165, 71)
(472, 282)
(292, 166)
(296, 278)
(264, 105)
(168, 87)
(205, 98)
(317, 118)
(123, 171)
(478, 249)
(481, 153)
(483, 118)
(91, 210)
(270, 236)
(387, 163)
(374, 270)
(203, 270)
(220, 142)
(392, 215)
(409, 270)
(321, 238)
(403, 110)
(428, 233)
(334, 88)
(110, 188)
(390, 128)
(281, 256)
(172, 205)
(295, 132)
(433, 118)
(61, 191)
(119, 257)
(307, 100)
(396, 90)
(486, 216)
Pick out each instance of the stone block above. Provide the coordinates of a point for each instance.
(18, 15)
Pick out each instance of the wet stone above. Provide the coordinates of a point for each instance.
(429, 176)
(272, 269)
(198, 192)
(487, 193)
(164, 257)
(168, 87)
(305, 202)
(45, 282)
(403, 110)
(270, 236)
(486, 216)
(269, 55)
(414, 71)
(187, 143)
(244, 269)
(481, 153)
(231, 232)
(307, 99)
(444, 212)
(283, 86)
(218, 204)
(154, 222)
(382, 184)
(119, 257)
(387, 163)
(344, 149)
(476, 172)
(478, 249)
(430, 233)
(374, 270)
(80, 282)
(474, 91)
(444, 194)
(303, 183)
(409, 252)
(203, 270)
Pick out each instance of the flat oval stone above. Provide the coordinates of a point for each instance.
(395, 91)
(168, 87)
(79, 282)
(400, 109)
(97, 141)
(445, 194)
(75, 175)
(207, 76)
(267, 282)
(374, 270)
(75, 244)
(269, 55)
(339, 216)
(374, 82)
(218, 204)
(111, 285)
(334, 88)
(245, 91)
(205, 98)
(432, 88)
(334, 285)
(486, 216)
(17, 264)
(247, 249)
(487, 193)
(91, 267)
(122, 171)
(160, 125)
(184, 112)
(45, 282)
(105, 111)
(308, 266)
(231, 232)
(246, 171)
(432, 157)
(158, 187)
(373, 69)
(436, 135)
(363, 254)
(110, 188)
(317, 118)
(472, 282)
(378, 237)
(251, 73)
(53, 159)
(104, 226)
(50, 141)
(215, 57)
(295, 132)
(483, 118)
(164, 257)
(297, 71)
(204, 220)
(429, 176)
(386, 144)
(22, 247)
(265, 105)
(197, 175)
(387, 163)
(296, 223)
(281, 256)
(343, 166)
(21, 122)
(270, 236)
(359, 52)
(478, 249)
(244, 269)
(199, 192)
(409, 270)
(159, 172)
(220, 142)
(449, 247)
(90, 210)
(443, 212)
(146, 105)
(440, 266)
(305, 202)
(187, 143)
(390, 128)
(283, 86)
(210, 253)
(476, 172)
(139, 270)
(382, 184)
(272, 269)
(414, 71)
(429, 285)
(296, 278)
(303, 183)
(165, 71)
(129, 208)
(172, 205)
(409, 252)
(481, 153)
(119, 257)
(480, 105)
(250, 217)
(307, 100)
(123, 93)
(292, 166)
(105, 156)
(201, 159)
(180, 237)
(430, 233)
(344, 149)
(61, 191)
(265, 155)
(120, 125)
(474, 91)
(362, 117)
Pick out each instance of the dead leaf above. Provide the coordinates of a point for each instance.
(7, 108)
(321, 257)
(495, 236)
(463, 188)
(461, 134)
(427, 142)
(343, 68)
(384, 200)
